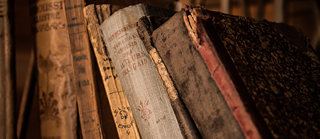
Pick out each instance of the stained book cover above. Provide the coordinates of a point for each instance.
(191, 77)
(119, 106)
(148, 100)
(267, 72)
(57, 99)
(145, 26)
(86, 86)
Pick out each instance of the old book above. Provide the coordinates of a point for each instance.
(7, 71)
(108, 128)
(267, 72)
(82, 66)
(191, 77)
(145, 26)
(149, 103)
(57, 97)
(121, 111)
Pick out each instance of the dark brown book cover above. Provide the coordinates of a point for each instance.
(193, 82)
(267, 72)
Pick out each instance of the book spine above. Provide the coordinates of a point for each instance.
(119, 105)
(146, 25)
(82, 66)
(142, 86)
(187, 126)
(57, 99)
(7, 71)
(197, 31)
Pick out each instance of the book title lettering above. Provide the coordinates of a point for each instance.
(40, 11)
(124, 47)
(46, 12)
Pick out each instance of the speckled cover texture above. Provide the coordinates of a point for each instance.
(279, 69)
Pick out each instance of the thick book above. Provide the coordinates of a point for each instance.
(198, 91)
(7, 71)
(57, 96)
(148, 100)
(145, 26)
(121, 111)
(268, 72)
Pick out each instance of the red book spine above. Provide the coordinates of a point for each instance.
(223, 78)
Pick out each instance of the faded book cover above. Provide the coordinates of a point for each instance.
(57, 98)
(121, 111)
(191, 77)
(83, 70)
(145, 26)
(267, 72)
(149, 103)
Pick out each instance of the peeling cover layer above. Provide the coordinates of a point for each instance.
(267, 72)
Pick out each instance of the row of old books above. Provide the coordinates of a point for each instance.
(106, 71)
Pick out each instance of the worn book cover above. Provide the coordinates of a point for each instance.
(268, 72)
(57, 97)
(191, 77)
(121, 111)
(83, 70)
(145, 26)
(149, 103)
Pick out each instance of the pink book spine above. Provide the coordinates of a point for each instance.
(222, 77)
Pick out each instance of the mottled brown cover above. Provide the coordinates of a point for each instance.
(272, 68)
(191, 77)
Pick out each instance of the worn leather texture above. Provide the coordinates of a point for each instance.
(284, 74)
(192, 79)
(273, 68)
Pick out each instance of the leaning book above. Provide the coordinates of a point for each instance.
(121, 111)
(148, 100)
